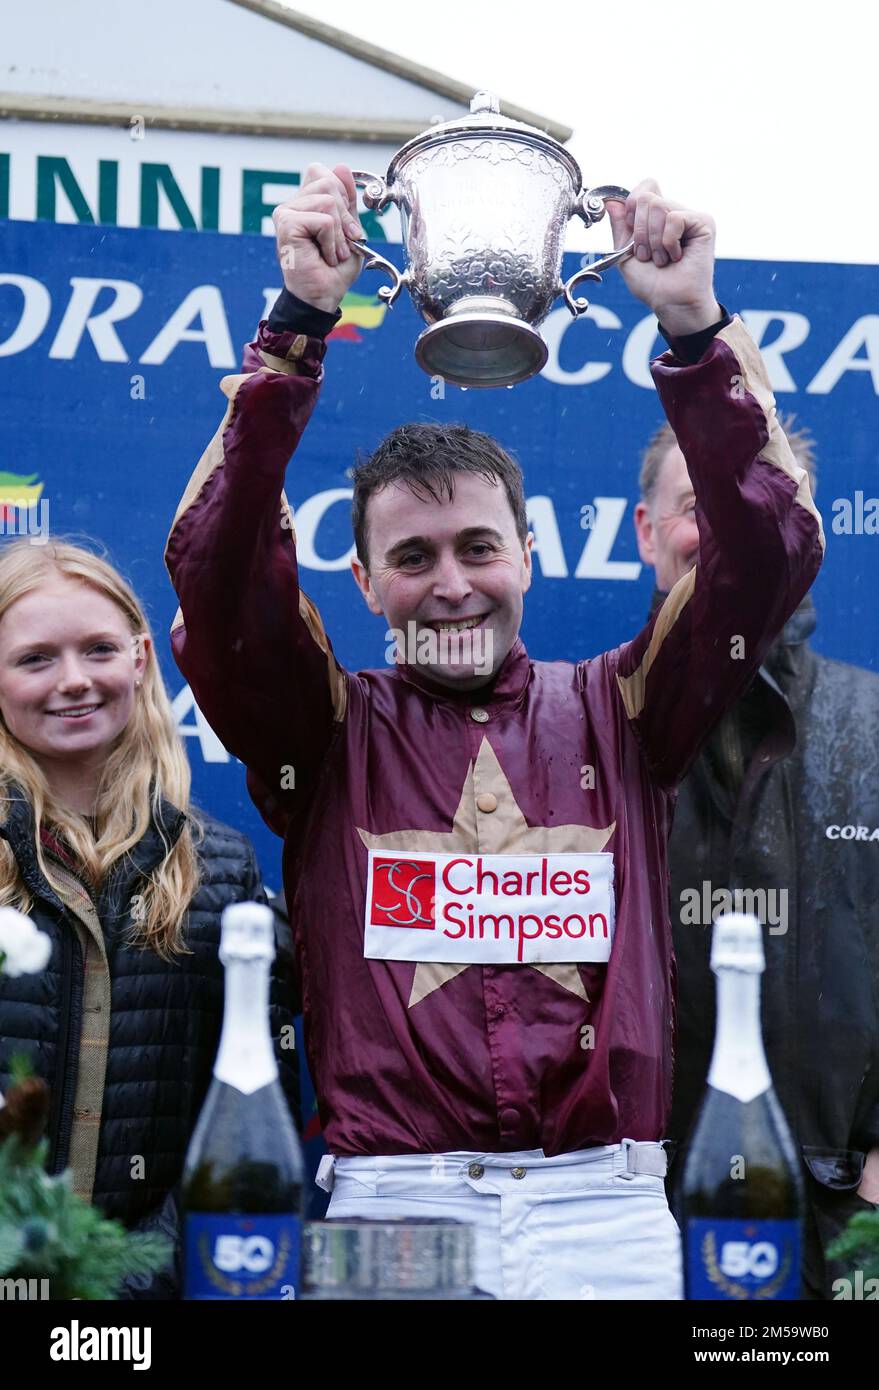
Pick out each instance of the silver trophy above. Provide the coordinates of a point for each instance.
(485, 202)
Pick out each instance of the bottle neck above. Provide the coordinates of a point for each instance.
(246, 1058)
(738, 1063)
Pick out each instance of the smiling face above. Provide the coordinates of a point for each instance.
(447, 565)
(668, 538)
(68, 666)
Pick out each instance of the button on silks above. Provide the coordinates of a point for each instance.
(486, 801)
(480, 715)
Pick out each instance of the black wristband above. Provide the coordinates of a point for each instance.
(689, 347)
(290, 314)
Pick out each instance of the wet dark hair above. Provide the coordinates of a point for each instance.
(425, 458)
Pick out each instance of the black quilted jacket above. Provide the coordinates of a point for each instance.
(165, 1021)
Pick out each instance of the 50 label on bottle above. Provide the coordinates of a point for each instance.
(242, 1256)
(743, 1259)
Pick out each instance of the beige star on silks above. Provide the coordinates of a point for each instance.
(502, 831)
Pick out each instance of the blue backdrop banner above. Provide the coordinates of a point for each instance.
(113, 342)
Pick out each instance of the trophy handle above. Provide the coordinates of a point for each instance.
(373, 261)
(591, 206)
(376, 193)
(590, 203)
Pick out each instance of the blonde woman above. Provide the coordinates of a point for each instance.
(100, 845)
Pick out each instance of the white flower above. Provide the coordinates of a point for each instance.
(23, 949)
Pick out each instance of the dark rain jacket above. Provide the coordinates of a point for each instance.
(784, 801)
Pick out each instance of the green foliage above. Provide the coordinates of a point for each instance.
(859, 1244)
(47, 1232)
(20, 1069)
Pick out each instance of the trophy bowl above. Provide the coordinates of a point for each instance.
(485, 203)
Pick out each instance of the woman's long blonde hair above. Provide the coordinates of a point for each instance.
(147, 763)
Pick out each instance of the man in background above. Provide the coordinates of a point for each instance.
(783, 805)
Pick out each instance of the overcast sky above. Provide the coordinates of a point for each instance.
(761, 112)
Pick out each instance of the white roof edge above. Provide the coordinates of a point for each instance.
(301, 125)
(393, 63)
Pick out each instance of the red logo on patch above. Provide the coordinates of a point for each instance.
(403, 893)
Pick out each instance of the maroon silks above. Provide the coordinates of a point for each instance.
(584, 756)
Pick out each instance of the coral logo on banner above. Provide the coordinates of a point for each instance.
(18, 490)
(359, 311)
(489, 908)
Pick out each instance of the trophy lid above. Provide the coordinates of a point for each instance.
(485, 118)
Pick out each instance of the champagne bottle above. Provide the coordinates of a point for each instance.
(243, 1177)
(740, 1199)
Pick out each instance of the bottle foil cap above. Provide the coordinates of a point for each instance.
(737, 943)
(247, 932)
